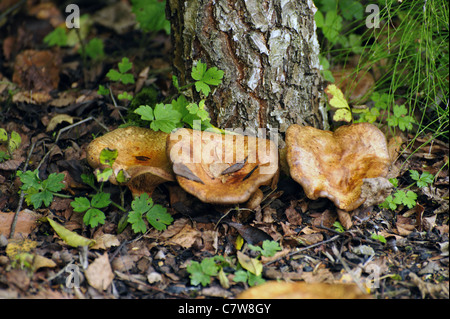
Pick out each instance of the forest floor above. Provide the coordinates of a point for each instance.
(39, 103)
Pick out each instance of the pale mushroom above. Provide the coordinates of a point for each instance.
(141, 156)
(221, 168)
(335, 164)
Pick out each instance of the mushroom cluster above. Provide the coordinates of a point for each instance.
(216, 168)
(230, 168)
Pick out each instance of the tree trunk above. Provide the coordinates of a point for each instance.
(268, 50)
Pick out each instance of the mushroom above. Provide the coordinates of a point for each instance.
(335, 164)
(221, 168)
(141, 156)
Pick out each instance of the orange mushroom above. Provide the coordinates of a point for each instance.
(335, 164)
(141, 156)
(221, 168)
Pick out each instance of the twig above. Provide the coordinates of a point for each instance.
(347, 268)
(22, 194)
(306, 248)
(115, 104)
(59, 134)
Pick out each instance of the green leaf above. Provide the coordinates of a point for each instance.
(101, 200)
(125, 96)
(254, 280)
(381, 100)
(351, 9)
(338, 227)
(103, 175)
(146, 112)
(342, 115)
(140, 205)
(405, 123)
(192, 108)
(197, 275)
(318, 17)
(80, 204)
(3, 135)
(201, 86)
(40, 192)
(151, 15)
(14, 141)
(198, 71)
(332, 26)
(176, 83)
(338, 102)
(54, 182)
(414, 174)
(425, 179)
(29, 179)
(121, 177)
(137, 222)
(125, 65)
(209, 266)
(166, 118)
(93, 217)
(113, 75)
(213, 76)
(180, 105)
(88, 179)
(127, 78)
(394, 181)
(240, 276)
(380, 238)
(43, 197)
(204, 78)
(158, 217)
(102, 90)
(389, 203)
(94, 49)
(402, 198)
(57, 37)
(69, 237)
(399, 110)
(270, 247)
(108, 156)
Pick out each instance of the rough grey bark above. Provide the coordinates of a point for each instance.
(269, 52)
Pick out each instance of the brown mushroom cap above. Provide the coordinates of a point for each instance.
(221, 169)
(334, 164)
(141, 155)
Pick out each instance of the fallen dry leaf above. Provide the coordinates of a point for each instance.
(99, 274)
(292, 215)
(105, 241)
(58, 119)
(41, 262)
(37, 70)
(303, 290)
(26, 223)
(344, 218)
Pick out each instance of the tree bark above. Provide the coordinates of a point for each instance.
(268, 50)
